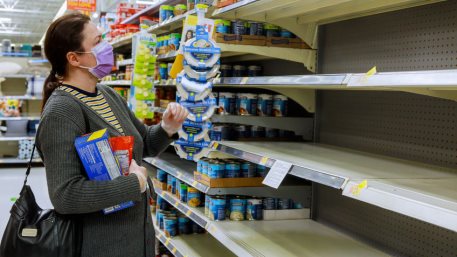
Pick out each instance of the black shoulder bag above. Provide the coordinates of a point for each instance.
(33, 232)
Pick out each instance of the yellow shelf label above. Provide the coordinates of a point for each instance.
(195, 183)
(189, 212)
(167, 242)
(357, 189)
(264, 160)
(174, 251)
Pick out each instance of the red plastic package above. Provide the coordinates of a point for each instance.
(123, 151)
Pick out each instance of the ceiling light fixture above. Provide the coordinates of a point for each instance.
(9, 4)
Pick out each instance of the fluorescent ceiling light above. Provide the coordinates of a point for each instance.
(59, 13)
(5, 20)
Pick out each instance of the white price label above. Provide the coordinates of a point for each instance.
(277, 174)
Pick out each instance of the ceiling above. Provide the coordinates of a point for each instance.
(25, 21)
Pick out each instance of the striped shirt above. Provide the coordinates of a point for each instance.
(97, 102)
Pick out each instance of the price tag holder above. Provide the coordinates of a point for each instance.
(277, 173)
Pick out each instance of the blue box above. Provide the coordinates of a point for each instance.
(99, 162)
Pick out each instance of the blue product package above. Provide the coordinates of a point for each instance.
(99, 162)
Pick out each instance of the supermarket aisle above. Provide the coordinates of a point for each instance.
(11, 180)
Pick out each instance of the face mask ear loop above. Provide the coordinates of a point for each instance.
(85, 67)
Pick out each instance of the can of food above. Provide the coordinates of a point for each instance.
(242, 131)
(205, 163)
(270, 203)
(183, 192)
(256, 28)
(271, 30)
(239, 27)
(227, 103)
(215, 134)
(193, 197)
(232, 169)
(196, 229)
(170, 226)
(227, 133)
(216, 169)
(254, 71)
(217, 208)
(248, 170)
(239, 71)
(271, 133)
(257, 132)
(265, 105)
(286, 34)
(162, 176)
(173, 45)
(254, 209)
(170, 181)
(178, 188)
(246, 104)
(262, 171)
(280, 106)
(174, 182)
(237, 209)
(222, 26)
(160, 218)
(284, 204)
(286, 134)
(226, 71)
(227, 205)
(199, 165)
(165, 12)
(183, 225)
(207, 203)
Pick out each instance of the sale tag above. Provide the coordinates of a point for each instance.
(263, 161)
(277, 173)
(357, 189)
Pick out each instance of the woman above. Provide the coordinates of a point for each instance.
(74, 105)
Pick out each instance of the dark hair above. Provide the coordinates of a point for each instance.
(64, 35)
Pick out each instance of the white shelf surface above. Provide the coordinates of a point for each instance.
(18, 161)
(20, 118)
(16, 76)
(3, 138)
(21, 97)
(194, 245)
(392, 183)
(168, 56)
(276, 238)
(122, 41)
(116, 83)
(170, 24)
(125, 62)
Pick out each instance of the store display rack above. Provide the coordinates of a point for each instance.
(18, 161)
(3, 138)
(394, 184)
(24, 97)
(124, 62)
(20, 118)
(149, 10)
(272, 238)
(170, 24)
(116, 83)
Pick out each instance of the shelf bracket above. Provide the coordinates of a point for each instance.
(305, 97)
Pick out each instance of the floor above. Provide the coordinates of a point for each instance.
(11, 180)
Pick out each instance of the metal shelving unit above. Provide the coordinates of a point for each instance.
(20, 118)
(125, 62)
(395, 184)
(149, 10)
(3, 138)
(16, 76)
(170, 24)
(273, 238)
(167, 57)
(18, 161)
(123, 41)
(24, 97)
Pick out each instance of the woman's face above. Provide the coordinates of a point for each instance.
(91, 37)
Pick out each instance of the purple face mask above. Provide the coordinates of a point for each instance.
(103, 53)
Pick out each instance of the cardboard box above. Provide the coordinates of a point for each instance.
(228, 182)
(286, 42)
(291, 214)
(224, 3)
(98, 160)
(240, 39)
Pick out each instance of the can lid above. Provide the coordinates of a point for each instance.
(280, 97)
(255, 67)
(239, 67)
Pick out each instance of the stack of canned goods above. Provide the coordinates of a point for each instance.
(230, 132)
(230, 168)
(241, 27)
(251, 104)
(235, 208)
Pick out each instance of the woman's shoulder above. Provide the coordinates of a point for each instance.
(61, 104)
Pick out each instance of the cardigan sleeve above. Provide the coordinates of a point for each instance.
(69, 190)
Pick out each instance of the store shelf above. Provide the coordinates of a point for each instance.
(3, 138)
(398, 185)
(125, 62)
(20, 118)
(24, 97)
(167, 57)
(301, 126)
(16, 76)
(159, 109)
(195, 245)
(116, 83)
(166, 83)
(305, 56)
(170, 24)
(122, 41)
(275, 238)
(18, 161)
(148, 11)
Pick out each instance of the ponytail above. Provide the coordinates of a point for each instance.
(51, 83)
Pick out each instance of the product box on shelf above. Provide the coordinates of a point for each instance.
(286, 42)
(289, 214)
(240, 39)
(228, 182)
(98, 160)
(224, 3)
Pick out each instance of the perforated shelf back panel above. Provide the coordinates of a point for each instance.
(402, 125)
(396, 234)
(420, 38)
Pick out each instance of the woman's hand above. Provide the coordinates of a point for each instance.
(173, 118)
(141, 174)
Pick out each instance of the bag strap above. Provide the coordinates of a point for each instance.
(29, 166)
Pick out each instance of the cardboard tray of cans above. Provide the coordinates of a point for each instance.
(240, 39)
(228, 182)
(286, 42)
(160, 185)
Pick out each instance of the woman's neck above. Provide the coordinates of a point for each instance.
(83, 80)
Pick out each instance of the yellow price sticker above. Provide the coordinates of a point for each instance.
(179, 175)
(167, 242)
(244, 80)
(189, 212)
(174, 251)
(212, 229)
(370, 73)
(215, 145)
(264, 160)
(195, 183)
(357, 189)
(163, 194)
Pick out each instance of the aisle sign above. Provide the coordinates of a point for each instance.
(82, 5)
(277, 174)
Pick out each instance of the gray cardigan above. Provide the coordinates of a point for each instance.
(128, 232)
